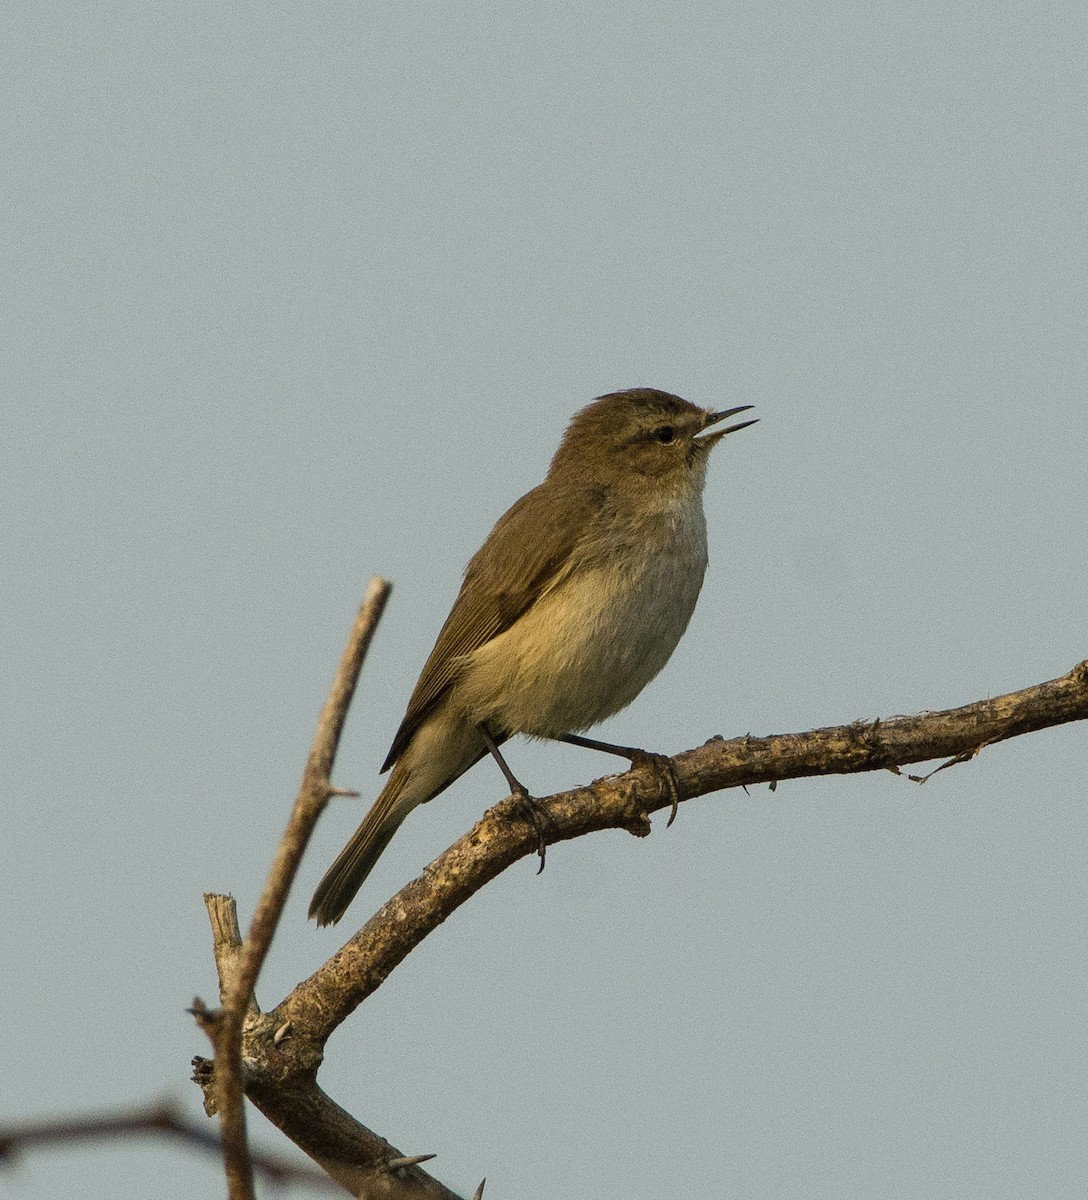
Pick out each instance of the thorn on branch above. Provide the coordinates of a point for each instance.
(408, 1160)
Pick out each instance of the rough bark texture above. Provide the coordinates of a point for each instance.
(282, 1050)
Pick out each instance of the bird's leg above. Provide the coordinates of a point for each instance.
(637, 758)
(533, 813)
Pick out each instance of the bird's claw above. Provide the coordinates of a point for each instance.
(537, 817)
(666, 770)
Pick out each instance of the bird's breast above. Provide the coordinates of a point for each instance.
(593, 639)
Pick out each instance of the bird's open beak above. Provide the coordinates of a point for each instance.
(713, 418)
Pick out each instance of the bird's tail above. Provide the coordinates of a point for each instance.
(355, 862)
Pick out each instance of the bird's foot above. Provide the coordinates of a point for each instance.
(661, 763)
(536, 815)
(666, 772)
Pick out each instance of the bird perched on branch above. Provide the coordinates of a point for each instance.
(572, 605)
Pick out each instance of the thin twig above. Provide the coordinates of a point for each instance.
(154, 1120)
(314, 792)
(312, 797)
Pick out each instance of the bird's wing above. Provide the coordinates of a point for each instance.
(527, 549)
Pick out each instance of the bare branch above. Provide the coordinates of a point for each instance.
(280, 1082)
(284, 1048)
(227, 947)
(352, 1155)
(500, 838)
(155, 1120)
(314, 792)
(361, 1161)
(237, 980)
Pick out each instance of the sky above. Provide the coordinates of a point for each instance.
(295, 295)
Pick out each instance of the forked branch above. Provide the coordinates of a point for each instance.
(283, 1048)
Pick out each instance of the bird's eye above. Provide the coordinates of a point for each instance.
(664, 434)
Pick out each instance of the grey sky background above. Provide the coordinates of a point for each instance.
(295, 295)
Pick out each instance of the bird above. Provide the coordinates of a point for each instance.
(574, 602)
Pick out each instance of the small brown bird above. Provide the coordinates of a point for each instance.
(573, 604)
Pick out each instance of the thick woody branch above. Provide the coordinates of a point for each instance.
(283, 1048)
(321, 1002)
(281, 1083)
